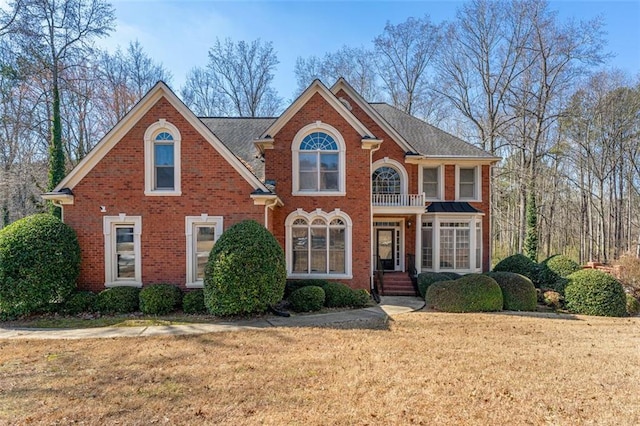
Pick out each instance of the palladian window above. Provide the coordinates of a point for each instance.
(319, 163)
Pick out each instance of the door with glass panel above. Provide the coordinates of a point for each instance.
(385, 248)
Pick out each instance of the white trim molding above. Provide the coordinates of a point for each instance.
(109, 225)
(327, 218)
(191, 223)
(150, 134)
(318, 126)
(477, 190)
(440, 168)
(397, 166)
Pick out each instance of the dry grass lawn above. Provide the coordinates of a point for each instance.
(426, 368)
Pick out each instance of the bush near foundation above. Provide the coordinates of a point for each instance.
(633, 305)
(293, 285)
(519, 264)
(39, 264)
(471, 293)
(518, 292)
(193, 302)
(592, 292)
(118, 300)
(307, 299)
(160, 299)
(246, 271)
(79, 302)
(425, 279)
(553, 272)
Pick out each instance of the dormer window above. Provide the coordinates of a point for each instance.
(318, 161)
(162, 159)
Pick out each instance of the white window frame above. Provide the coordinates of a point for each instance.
(150, 134)
(389, 162)
(477, 190)
(191, 223)
(436, 220)
(109, 224)
(440, 171)
(318, 126)
(327, 217)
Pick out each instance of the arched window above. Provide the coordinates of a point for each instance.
(162, 159)
(318, 161)
(386, 180)
(318, 244)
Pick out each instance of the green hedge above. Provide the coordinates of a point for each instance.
(160, 299)
(193, 302)
(118, 300)
(633, 305)
(39, 264)
(592, 292)
(307, 299)
(519, 264)
(79, 302)
(471, 293)
(553, 272)
(518, 292)
(246, 271)
(425, 279)
(293, 285)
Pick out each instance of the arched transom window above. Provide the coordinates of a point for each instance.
(319, 163)
(386, 180)
(162, 159)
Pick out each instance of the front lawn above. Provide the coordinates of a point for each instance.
(426, 368)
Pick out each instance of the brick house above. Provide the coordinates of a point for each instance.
(347, 187)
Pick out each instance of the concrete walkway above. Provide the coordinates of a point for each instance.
(389, 307)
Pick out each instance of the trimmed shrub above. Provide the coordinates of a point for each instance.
(518, 292)
(337, 295)
(118, 300)
(633, 305)
(360, 298)
(39, 264)
(79, 302)
(307, 299)
(451, 275)
(425, 279)
(519, 264)
(553, 299)
(160, 299)
(293, 285)
(553, 272)
(246, 271)
(592, 292)
(193, 302)
(471, 293)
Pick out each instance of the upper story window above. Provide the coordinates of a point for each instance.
(432, 183)
(386, 180)
(318, 161)
(468, 183)
(162, 159)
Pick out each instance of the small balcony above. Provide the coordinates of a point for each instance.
(398, 203)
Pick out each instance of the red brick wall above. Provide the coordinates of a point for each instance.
(209, 185)
(357, 201)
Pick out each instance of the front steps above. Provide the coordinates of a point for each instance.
(397, 284)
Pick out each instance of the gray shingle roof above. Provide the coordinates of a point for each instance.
(238, 134)
(425, 138)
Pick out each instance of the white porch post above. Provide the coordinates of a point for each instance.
(418, 249)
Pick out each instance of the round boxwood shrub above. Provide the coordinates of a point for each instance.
(307, 299)
(160, 299)
(337, 295)
(518, 292)
(360, 298)
(553, 272)
(246, 271)
(451, 275)
(425, 279)
(39, 264)
(118, 300)
(633, 305)
(592, 292)
(79, 302)
(293, 285)
(193, 302)
(471, 293)
(519, 264)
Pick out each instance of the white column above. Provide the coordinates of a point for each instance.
(418, 250)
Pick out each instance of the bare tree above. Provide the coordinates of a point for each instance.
(202, 96)
(404, 53)
(243, 73)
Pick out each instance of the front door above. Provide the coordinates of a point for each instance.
(385, 248)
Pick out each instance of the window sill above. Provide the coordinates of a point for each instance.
(469, 200)
(197, 284)
(319, 194)
(320, 276)
(123, 284)
(163, 193)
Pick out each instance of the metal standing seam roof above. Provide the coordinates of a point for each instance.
(451, 207)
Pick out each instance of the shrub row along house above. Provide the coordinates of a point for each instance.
(344, 185)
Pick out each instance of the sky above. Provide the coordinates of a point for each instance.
(178, 34)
